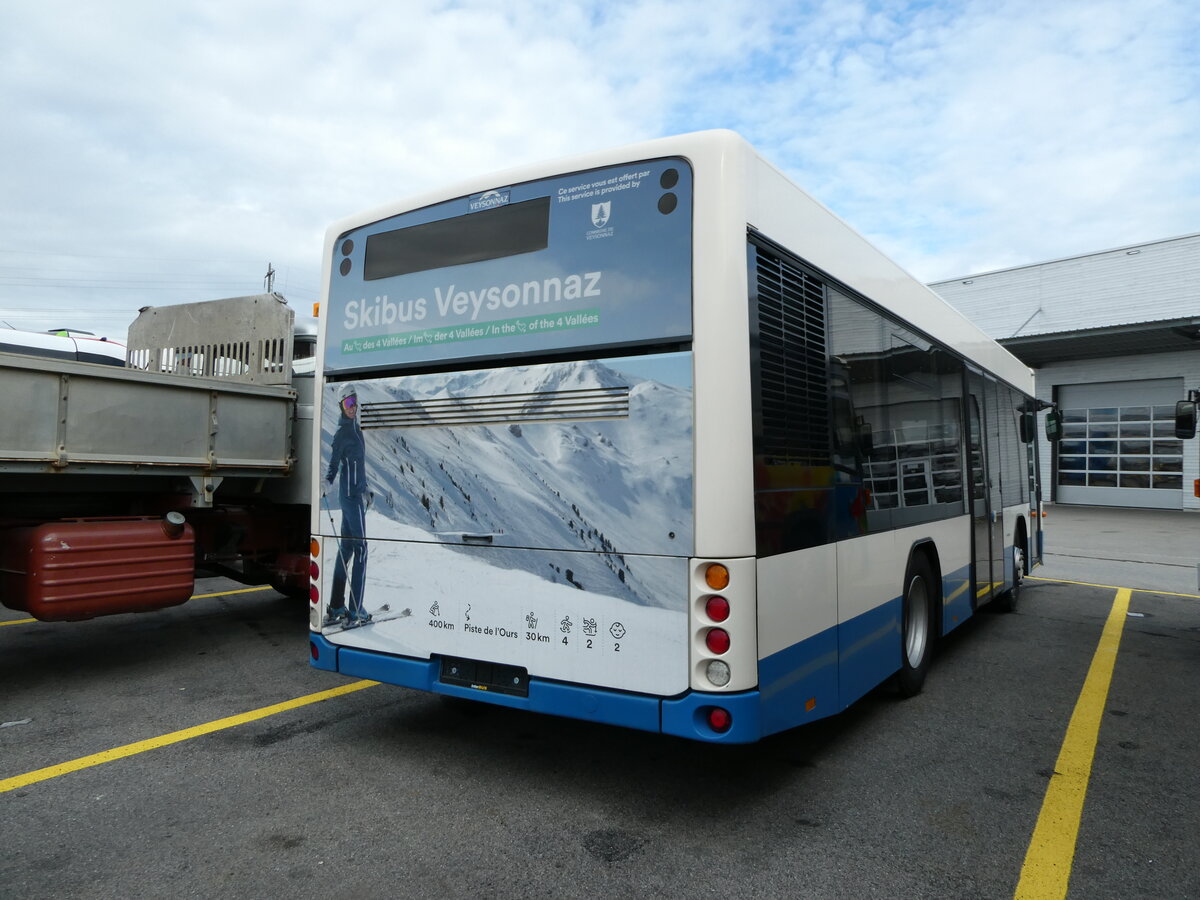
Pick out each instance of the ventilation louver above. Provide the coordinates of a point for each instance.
(579, 404)
(793, 375)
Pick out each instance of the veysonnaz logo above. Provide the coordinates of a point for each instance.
(488, 200)
(601, 214)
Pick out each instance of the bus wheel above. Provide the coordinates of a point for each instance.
(1007, 602)
(917, 635)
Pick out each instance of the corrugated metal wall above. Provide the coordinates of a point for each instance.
(1144, 283)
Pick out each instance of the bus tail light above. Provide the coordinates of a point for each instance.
(717, 608)
(718, 672)
(724, 652)
(716, 576)
(717, 640)
(719, 720)
(314, 571)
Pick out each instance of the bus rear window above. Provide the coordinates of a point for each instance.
(492, 234)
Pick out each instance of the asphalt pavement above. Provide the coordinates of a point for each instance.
(215, 762)
(1148, 548)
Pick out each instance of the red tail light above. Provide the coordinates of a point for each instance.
(717, 640)
(717, 608)
(719, 720)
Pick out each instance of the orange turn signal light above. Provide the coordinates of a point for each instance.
(716, 576)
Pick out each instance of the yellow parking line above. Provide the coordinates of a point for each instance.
(1047, 868)
(19, 781)
(251, 590)
(1113, 587)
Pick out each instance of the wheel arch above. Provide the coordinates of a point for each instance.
(1021, 541)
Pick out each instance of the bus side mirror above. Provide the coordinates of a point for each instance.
(1185, 419)
(1053, 426)
(1027, 423)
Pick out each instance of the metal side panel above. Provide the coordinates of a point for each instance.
(56, 414)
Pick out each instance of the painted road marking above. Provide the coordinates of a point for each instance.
(1113, 587)
(251, 590)
(1047, 868)
(175, 737)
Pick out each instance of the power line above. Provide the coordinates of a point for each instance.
(170, 259)
(146, 285)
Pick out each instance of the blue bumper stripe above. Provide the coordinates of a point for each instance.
(686, 716)
(812, 679)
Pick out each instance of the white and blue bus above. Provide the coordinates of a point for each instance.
(649, 437)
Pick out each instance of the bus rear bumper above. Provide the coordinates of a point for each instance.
(686, 716)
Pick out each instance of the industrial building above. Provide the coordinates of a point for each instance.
(1115, 339)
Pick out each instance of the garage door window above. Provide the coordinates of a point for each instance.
(1126, 446)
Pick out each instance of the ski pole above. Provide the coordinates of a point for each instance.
(336, 537)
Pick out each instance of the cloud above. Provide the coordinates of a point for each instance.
(961, 136)
(159, 154)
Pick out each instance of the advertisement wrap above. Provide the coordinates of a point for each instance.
(548, 538)
(533, 515)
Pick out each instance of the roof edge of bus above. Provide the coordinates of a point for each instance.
(712, 143)
(715, 139)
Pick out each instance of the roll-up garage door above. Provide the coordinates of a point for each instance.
(1119, 446)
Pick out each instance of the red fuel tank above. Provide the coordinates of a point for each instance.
(82, 568)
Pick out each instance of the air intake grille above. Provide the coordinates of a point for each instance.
(552, 406)
(793, 378)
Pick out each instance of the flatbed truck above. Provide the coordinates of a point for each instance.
(120, 484)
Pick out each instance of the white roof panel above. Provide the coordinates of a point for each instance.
(1125, 286)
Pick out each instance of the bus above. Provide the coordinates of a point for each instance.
(63, 343)
(649, 437)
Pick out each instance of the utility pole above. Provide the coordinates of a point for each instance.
(270, 279)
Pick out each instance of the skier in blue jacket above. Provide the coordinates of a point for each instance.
(348, 459)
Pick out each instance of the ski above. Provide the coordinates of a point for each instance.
(382, 614)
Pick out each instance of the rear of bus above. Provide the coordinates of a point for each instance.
(518, 360)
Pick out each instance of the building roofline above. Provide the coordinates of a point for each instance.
(1107, 341)
(1033, 265)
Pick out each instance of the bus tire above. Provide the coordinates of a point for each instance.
(916, 633)
(1010, 599)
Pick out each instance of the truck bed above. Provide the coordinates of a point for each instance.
(60, 416)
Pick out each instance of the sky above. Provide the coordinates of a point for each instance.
(156, 153)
